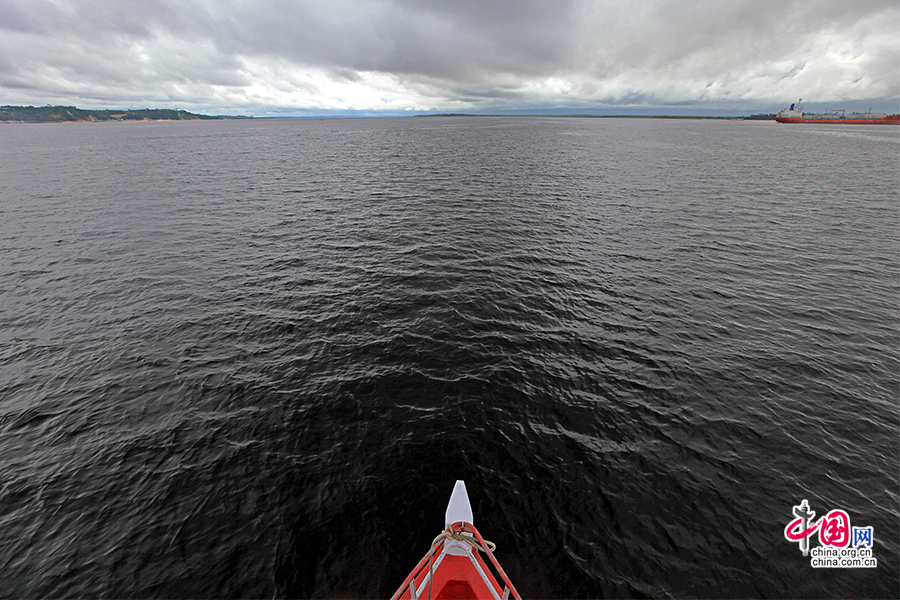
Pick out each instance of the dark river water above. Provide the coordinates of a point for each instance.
(251, 358)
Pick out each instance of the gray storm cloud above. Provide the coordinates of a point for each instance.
(279, 55)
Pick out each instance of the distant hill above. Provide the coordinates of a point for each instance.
(57, 114)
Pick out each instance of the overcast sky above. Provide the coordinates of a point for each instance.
(297, 57)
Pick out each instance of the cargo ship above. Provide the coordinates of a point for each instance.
(795, 114)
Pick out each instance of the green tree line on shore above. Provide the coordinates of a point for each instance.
(51, 114)
(56, 114)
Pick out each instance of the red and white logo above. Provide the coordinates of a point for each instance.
(841, 545)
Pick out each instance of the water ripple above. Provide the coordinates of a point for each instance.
(250, 358)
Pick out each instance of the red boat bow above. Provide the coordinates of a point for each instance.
(453, 567)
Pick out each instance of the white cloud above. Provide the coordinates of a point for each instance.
(377, 55)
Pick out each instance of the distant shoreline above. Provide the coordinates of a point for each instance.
(72, 114)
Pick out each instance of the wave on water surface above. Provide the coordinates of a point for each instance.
(250, 358)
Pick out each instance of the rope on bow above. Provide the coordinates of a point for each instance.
(449, 534)
(459, 537)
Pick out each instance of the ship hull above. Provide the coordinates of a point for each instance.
(888, 120)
